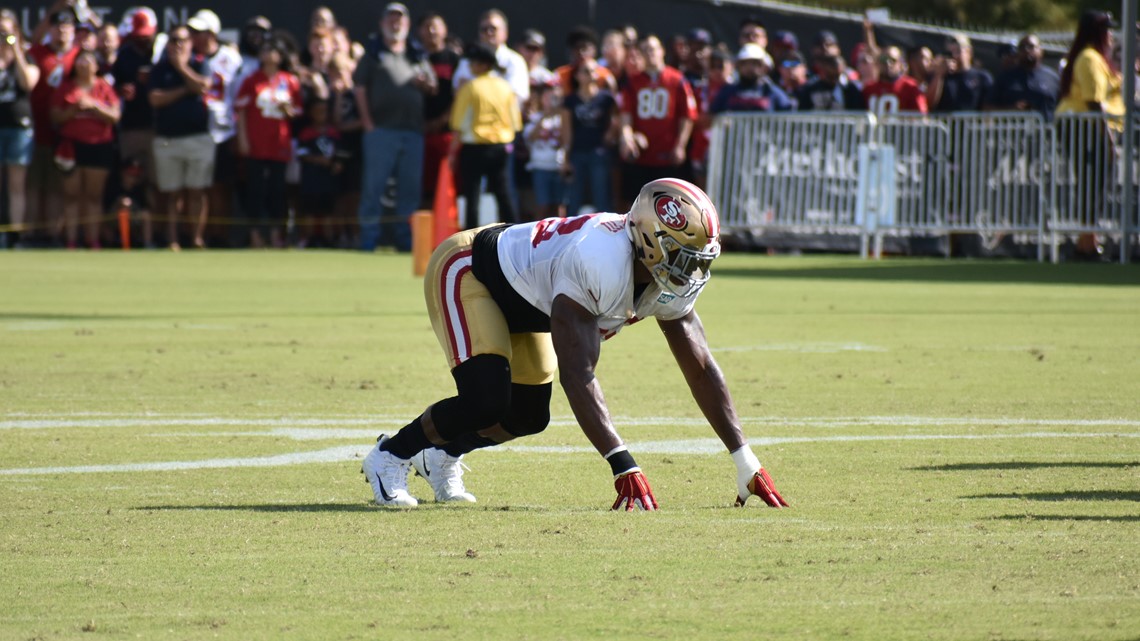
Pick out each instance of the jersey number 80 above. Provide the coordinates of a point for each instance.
(652, 104)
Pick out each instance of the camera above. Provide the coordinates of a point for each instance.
(9, 38)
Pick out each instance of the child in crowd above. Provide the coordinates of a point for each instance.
(318, 148)
(266, 104)
(543, 135)
(132, 196)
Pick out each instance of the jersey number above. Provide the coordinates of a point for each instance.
(652, 104)
(269, 103)
(548, 228)
(884, 104)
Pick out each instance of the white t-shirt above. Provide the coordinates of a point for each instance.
(588, 258)
(224, 66)
(515, 72)
(546, 147)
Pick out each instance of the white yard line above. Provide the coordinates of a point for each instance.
(803, 348)
(670, 447)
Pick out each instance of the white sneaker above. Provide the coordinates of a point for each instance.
(388, 476)
(444, 473)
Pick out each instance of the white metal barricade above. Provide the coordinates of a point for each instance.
(922, 157)
(1087, 190)
(788, 172)
(991, 174)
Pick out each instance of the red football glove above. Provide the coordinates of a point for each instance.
(633, 490)
(761, 485)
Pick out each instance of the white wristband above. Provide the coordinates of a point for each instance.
(746, 461)
(620, 448)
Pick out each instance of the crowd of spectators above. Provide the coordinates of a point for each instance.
(278, 141)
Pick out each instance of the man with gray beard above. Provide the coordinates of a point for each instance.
(391, 81)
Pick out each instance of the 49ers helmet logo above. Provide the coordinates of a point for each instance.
(669, 212)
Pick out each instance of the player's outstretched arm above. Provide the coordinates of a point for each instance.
(686, 338)
(577, 343)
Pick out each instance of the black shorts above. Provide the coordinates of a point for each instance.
(522, 317)
(317, 204)
(98, 156)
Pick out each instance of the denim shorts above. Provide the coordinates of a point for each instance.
(16, 146)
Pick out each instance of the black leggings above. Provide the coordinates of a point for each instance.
(487, 400)
(475, 163)
(265, 193)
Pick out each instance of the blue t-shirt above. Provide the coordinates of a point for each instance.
(589, 120)
(1039, 87)
(187, 116)
(762, 96)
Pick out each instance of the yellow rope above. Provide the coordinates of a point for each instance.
(299, 221)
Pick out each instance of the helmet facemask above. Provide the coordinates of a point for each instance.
(683, 271)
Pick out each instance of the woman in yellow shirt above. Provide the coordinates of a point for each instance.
(1090, 84)
(1088, 81)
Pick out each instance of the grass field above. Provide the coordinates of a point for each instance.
(181, 433)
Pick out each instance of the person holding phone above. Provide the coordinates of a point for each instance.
(18, 77)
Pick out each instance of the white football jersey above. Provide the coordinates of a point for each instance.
(588, 258)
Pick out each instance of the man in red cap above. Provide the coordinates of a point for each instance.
(132, 75)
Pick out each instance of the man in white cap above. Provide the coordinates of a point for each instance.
(224, 63)
(183, 147)
(755, 90)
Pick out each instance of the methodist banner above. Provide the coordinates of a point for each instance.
(794, 180)
(555, 19)
(996, 183)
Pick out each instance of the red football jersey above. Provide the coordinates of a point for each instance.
(54, 69)
(84, 127)
(266, 125)
(657, 105)
(905, 88)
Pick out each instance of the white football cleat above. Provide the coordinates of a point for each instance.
(444, 473)
(388, 476)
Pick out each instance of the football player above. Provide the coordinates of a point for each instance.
(510, 303)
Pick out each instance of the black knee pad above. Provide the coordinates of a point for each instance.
(530, 409)
(484, 384)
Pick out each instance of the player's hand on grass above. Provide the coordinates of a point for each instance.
(759, 484)
(633, 491)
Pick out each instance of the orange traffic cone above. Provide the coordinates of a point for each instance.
(125, 226)
(422, 247)
(445, 210)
